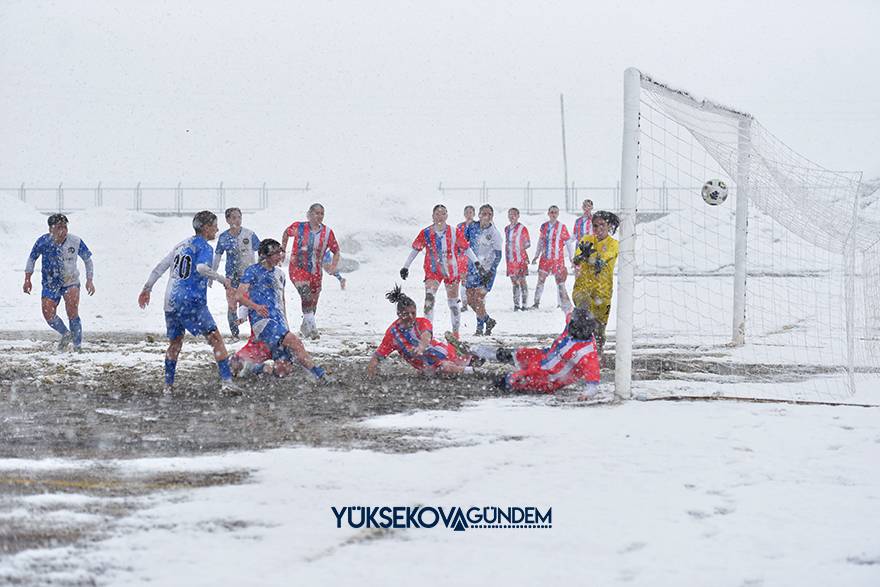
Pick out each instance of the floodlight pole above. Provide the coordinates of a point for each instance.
(564, 155)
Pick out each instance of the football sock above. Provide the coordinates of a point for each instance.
(525, 294)
(77, 329)
(170, 367)
(516, 294)
(223, 368)
(232, 316)
(57, 325)
(454, 313)
(485, 352)
(539, 289)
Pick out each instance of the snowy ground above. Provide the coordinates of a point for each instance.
(647, 493)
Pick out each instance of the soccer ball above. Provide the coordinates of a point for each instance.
(714, 192)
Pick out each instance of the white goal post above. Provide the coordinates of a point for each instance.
(764, 296)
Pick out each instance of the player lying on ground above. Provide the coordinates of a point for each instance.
(413, 340)
(486, 244)
(59, 250)
(186, 305)
(262, 291)
(239, 244)
(571, 359)
(596, 257)
(310, 241)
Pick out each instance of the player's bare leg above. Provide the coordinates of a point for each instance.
(49, 308)
(232, 311)
(431, 288)
(292, 342)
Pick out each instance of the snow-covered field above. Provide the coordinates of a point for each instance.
(646, 493)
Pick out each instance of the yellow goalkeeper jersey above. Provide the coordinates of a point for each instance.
(598, 285)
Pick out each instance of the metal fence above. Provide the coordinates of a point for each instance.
(536, 199)
(178, 200)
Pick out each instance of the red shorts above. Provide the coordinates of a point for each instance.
(517, 269)
(528, 358)
(553, 266)
(314, 280)
(462, 265)
(255, 351)
(431, 276)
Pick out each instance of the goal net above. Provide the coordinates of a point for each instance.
(771, 294)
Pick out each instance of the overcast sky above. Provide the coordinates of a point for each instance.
(408, 94)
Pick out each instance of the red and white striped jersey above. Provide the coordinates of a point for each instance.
(566, 361)
(406, 340)
(307, 252)
(552, 240)
(516, 238)
(582, 227)
(441, 250)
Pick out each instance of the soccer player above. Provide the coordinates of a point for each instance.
(186, 304)
(570, 359)
(240, 245)
(596, 257)
(583, 225)
(517, 245)
(443, 246)
(469, 213)
(486, 244)
(310, 240)
(60, 279)
(262, 291)
(553, 241)
(413, 340)
(328, 259)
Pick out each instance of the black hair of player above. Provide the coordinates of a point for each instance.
(57, 219)
(315, 206)
(469, 207)
(268, 247)
(582, 325)
(396, 296)
(487, 207)
(230, 211)
(553, 207)
(610, 218)
(203, 219)
(437, 207)
(513, 210)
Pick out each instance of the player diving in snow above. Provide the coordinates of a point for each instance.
(186, 305)
(412, 338)
(443, 246)
(240, 244)
(262, 292)
(60, 278)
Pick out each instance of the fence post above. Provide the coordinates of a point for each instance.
(99, 199)
(264, 197)
(22, 194)
(178, 199)
(61, 197)
(221, 197)
(137, 197)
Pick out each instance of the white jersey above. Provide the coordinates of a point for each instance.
(485, 242)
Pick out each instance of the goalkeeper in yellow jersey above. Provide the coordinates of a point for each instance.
(596, 257)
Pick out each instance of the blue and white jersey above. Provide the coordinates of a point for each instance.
(187, 288)
(59, 260)
(487, 244)
(240, 251)
(265, 287)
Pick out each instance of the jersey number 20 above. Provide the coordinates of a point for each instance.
(183, 266)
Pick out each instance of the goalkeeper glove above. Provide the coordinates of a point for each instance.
(404, 272)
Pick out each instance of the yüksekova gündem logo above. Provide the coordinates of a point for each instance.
(455, 518)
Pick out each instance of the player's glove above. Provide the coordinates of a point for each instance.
(404, 273)
(584, 250)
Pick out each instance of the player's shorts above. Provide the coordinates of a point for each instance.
(270, 331)
(473, 280)
(450, 358)
(439, 277)
(196, 319)
(528, 358)
(517, 268)
(463, 265)
(555, 267)
(299, 278)
(56, 293)
(254, 351)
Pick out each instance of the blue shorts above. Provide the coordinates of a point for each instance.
(197, 320)
(282, 353)
(473, 280)
(235, 278)
(55, 294)
(272, 333)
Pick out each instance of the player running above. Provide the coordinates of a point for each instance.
(486, 244)
(262, 292)
(553, 241)
(594, 285)
(443, 247)
(186, 304)
(570, 359)
(310, 241)
(413, 340)
(469, 213)
(60, 278)
(240, 245)
(517, 243)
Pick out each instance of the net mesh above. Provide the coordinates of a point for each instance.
(812, 273)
